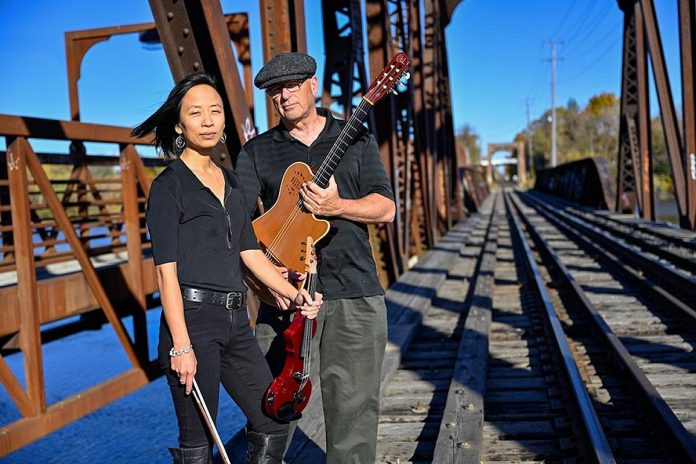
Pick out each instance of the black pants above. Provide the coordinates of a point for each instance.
(227, 352)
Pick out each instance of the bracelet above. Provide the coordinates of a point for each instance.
(180, 352)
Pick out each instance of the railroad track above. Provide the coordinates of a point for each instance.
(532, 351)
(673, 246)
(646, 336)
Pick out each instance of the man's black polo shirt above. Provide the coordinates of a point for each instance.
(189, 226)
(346, 268)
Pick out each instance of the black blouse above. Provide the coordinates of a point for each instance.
(188, 225)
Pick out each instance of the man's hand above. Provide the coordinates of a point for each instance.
(322, 202)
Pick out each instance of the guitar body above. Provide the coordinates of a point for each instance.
(283, 230)
(288, 394)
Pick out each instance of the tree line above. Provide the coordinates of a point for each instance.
(581, 133)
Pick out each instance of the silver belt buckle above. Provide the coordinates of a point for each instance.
(229, 300)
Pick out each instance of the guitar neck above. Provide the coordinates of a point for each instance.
(344, 140)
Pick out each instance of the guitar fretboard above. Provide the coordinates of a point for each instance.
(344, 140)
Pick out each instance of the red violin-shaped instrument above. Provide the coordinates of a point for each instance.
(289, 393)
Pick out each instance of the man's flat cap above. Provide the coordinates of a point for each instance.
(285, 67)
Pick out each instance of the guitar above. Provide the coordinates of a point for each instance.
(289, 393)
(284, 227)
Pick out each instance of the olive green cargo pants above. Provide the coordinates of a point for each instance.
(347, 353)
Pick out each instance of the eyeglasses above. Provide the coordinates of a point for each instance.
(291, 86)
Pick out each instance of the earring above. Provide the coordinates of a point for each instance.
(223, 138)
(179, 142)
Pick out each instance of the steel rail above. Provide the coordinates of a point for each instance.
(683, 445)
(600, 449)
(674, 305)
(639, 225)
(683, 285)
(686, 263)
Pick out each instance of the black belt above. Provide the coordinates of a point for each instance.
(230, 300)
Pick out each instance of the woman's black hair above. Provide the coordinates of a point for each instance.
(164, 120)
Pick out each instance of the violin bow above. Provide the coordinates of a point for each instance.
(209, 422)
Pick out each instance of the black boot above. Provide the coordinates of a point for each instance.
(265, 449)
(200, 455)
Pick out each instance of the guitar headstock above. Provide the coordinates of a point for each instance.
(392, 74)
(310, 256)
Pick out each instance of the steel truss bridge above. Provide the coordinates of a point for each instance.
(473, 318)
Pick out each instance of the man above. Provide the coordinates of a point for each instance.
(352, 330)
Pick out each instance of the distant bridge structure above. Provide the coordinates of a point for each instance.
(517, 152)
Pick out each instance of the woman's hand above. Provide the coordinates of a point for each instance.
(308, 308)
(281, 302)
(185, 368)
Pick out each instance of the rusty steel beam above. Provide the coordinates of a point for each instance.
(345, 81)
(629, 178)
(132, 220)
(345, 76)
(429, 64)
(77, 43)
(5, 216)
(393, 120)
(667, 111)
(642, 116)
(196, 39)
(69, 295)
(687, 35)
(283, 29)
(29, 334)
(22, 126)
(423, 230)
(24, 431)
(438, 105)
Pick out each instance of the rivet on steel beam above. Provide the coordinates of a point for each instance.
(170, 15)
(186, 31)
(180, 49)
(196, 65)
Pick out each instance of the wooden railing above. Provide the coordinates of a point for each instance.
(69, 221)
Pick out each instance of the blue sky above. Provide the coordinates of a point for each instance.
(498, 55)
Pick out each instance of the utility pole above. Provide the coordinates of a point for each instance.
(554, 158)
(528, 155)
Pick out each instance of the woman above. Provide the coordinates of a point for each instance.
(200, 236)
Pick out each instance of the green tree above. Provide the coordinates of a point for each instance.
(581, 132)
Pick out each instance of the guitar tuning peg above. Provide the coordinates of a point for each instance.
(393, 91)
(407, 75)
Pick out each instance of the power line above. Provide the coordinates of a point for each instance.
(565, 17)
(580, 23)
(597, 44)
(592, 64)
(587, 33)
